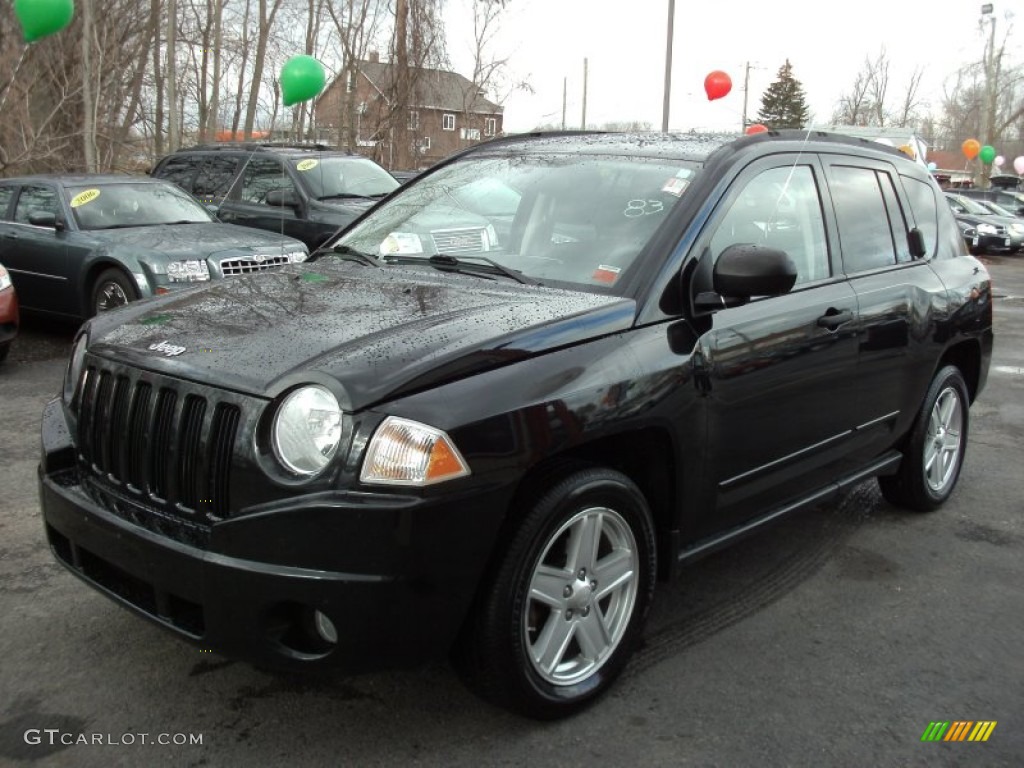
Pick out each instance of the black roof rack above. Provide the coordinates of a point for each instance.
(250, 145)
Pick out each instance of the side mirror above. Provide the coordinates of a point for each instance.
(45, 219)
(915, 241)
(282, 198)
(742, 271)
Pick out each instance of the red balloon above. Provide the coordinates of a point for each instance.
(756, 128)
(717, 84)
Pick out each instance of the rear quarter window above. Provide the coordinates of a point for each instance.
(924, 208)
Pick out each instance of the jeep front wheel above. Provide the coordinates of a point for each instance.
(568, 599)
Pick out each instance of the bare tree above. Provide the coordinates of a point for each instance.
(356, 23)
(268, 10)
(867, 102)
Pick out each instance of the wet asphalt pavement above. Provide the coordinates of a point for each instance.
(832, 639)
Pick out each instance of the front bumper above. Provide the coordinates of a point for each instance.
(413, 568)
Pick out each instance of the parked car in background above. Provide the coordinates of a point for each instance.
(996, 234)
(8, 313)
(997, 209)
(305, 191)
(1010, 199)
(969, 233)
(395, 453)
(80, 244)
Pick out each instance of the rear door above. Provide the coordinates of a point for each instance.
(897, 295)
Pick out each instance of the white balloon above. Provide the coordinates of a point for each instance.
(998, 161)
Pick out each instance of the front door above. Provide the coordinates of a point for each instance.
(777, 371)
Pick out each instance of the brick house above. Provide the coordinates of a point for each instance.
(447, 113)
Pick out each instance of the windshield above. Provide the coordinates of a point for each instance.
(119, 205)
(327, 178)
(559, 218)
(971, 206)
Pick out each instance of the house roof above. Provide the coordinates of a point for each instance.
(434, 88)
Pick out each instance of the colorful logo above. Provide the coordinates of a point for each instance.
(958, 730)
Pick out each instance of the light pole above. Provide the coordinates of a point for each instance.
(988, 107)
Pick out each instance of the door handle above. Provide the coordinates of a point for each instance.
(833, 318)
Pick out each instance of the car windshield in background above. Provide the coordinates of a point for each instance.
(121, 205)
(337, 178)
(972, 206)
(551, 217)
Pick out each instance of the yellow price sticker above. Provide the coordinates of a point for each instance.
(84, 197)
(307, 165)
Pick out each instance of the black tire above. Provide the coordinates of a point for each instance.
(111, 289)
(935, 448)
(589, 628)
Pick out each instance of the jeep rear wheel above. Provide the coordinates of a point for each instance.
(935, 449)
(568, 598)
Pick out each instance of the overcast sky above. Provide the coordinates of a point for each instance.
(624, 43)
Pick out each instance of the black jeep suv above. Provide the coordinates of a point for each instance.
(305, 191)
(400, 451)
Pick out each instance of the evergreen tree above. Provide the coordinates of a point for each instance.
(784, 104)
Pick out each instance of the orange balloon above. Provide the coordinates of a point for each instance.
(717, 84)
(971, 148)
(756, 128)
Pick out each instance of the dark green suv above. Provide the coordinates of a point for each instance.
(306, 191)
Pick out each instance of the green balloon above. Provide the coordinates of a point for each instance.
(987, 154)
(302, 78)
(40, 18)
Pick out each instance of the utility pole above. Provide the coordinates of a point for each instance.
(565, 86)
(746, 87)
(583, 126)
(668, 66)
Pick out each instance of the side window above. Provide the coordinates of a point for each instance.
(779, 208)
(34, 200)
(262, 175)
(924, 209)
(897, 220)
(180, 170)
(215, 177)
(6, 195)
(864, 231)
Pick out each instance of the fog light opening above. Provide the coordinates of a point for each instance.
(325, 628)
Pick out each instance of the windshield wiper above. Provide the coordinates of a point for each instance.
(345, 196)
(348, 253)
(185, 221)
(446, 261)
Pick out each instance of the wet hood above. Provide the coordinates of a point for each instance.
(190, 240)
(379, 332)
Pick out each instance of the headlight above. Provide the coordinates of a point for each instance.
(308, 428)
(189, 271)
(74, 371)
(297, 257)
(401, 243)
(404, 452)
(5, 279)
(987, 229)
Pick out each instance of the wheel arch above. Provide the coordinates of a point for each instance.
(96, 269)
(646, 456)
(966, 356)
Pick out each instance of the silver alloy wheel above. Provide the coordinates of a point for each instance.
(582, 594)
(110, 296)
(943, 441)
